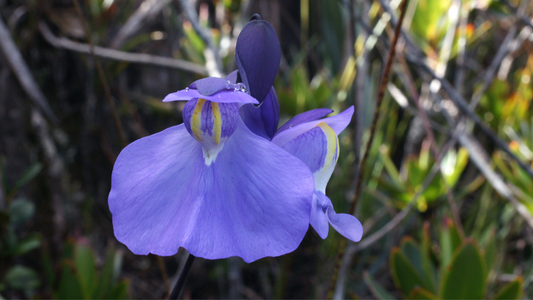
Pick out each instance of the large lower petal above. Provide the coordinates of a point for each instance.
(252, 201)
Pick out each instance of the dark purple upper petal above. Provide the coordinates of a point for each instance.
(258, 54)
(262, 120)
(270, 113)
(307, 116)
(253, 201)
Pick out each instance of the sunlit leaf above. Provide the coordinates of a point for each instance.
(377, 290)
(513, 290)
(465, 278)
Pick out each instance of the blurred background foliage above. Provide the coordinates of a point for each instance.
(447, 212)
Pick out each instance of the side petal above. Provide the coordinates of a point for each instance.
(304, 117)
(252, 202)
(224, 96)
(263, 119)
(318, 148)
(345, 224)
(318, 218)
(338, 123)
(258, 54)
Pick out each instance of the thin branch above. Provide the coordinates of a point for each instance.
(493, 67)
(513, 47)
(148, 10)
(520, 16)
(101, 75)
(381, 93)
(480, 159)
(460, 102)
(161, 265)
(23, 73)
(182, 278)
(56, 172)
(135, 58)
(213, 61)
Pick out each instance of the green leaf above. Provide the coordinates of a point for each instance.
(120, 291)
(107, 278)
(420, 293)
(28, 175)
(411, 250)
(513, 290)
(46, 263)
(86, 269)
(21, 210)
(465, 278)
(428, 268)
(404, 273)
(449, 241)
(27, 244)
(22, 278)
(490, 252)
(69, 285)
(391, 169)
(377, 290)
(457, 163)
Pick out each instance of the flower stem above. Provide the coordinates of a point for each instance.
(183, 277)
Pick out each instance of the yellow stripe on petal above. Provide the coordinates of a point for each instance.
(218, 123)
(196, 119)
(332, 145)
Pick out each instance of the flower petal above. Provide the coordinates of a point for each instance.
(338, 123)
(232, 77)
(263, 119)
(224, 96)
(252, 202)
(318, 218)
(318, 148)
(270, 113)
(307, 116)
(258, 55)
(345, 224)
(210, 85)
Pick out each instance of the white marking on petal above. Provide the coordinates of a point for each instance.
(211, 155)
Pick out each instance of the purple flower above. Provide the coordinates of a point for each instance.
(315, 142)
(210, 185)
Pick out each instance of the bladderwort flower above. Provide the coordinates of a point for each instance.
(217, 185)
(314, 141)
(210, 185)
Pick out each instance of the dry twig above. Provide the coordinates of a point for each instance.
(135, 58)
(23, 74)
(381, 93)
(212, 57)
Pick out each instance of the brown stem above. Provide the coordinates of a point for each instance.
(381, 93)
